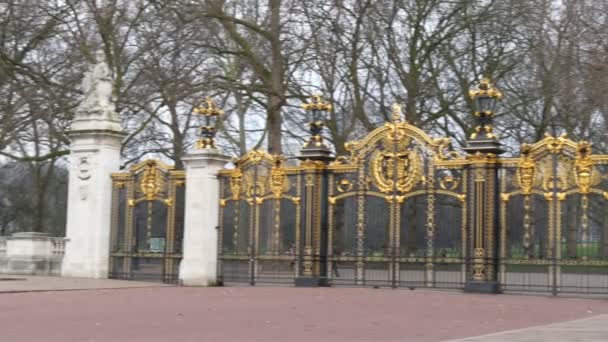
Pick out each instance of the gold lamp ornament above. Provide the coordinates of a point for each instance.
(211, 113)
(317, 107)
(485, 98)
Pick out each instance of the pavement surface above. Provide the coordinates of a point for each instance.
(20, 283)
(170, 313)
(594, 329)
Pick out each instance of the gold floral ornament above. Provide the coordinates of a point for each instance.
(152, 181)
(526, 170)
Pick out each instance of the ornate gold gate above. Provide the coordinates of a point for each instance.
(402, 209)
(392, 213)
(259, 216)
(554, 222)
(147, 223)
(397, 211)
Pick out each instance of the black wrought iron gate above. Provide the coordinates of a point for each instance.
(553, 219)
(392, 213)
(401, 210)
(259, 219)
(396, 212)
(147, 223)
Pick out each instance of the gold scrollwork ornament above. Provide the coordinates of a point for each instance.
(554, 144)
(344, 185)
(448, 183)
(551, 178)
(254, 187)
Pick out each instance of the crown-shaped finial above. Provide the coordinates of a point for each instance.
(397, 113)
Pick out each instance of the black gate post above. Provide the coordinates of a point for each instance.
(483, 148)
(315, 156)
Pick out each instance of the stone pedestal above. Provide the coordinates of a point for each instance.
(32, 253)
(199, 263)
(94, 156)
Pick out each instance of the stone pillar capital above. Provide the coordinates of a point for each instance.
(209, 157)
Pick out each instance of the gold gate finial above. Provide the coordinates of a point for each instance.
(396, 112)
(317, 103)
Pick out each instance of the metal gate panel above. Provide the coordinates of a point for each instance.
(403, 210)
(260, 219)
(554, 220)
(392, 181)
(147, 223)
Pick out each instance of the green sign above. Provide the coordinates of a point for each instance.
(157, 245)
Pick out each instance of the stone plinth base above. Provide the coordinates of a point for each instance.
(193, 272)
(310, 282)
(32, 253)
(490, 287)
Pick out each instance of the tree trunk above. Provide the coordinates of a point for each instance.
(40, 192)
(274, 122)
(241, 111)
(275, 98)
(177, 139)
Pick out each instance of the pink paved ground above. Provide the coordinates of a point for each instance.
(274, 314)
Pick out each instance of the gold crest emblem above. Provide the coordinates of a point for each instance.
(151, 182)
(278, 182)
(585, 176)
(527, 177)
(236, 181)
(397, 166)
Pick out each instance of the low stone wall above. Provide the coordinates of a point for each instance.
(31, 253)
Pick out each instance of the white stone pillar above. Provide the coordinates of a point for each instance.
(94, 156)
(96, 138)
(199, 263)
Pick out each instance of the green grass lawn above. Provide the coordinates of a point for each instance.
(591, 250)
